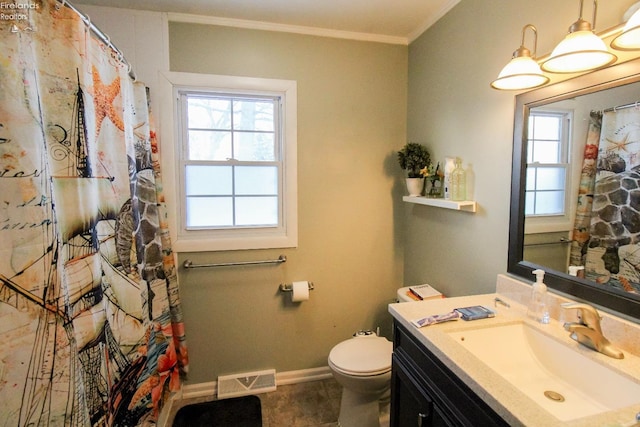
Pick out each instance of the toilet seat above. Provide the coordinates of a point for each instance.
(362, 356)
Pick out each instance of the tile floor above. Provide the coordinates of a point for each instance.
(309, 404)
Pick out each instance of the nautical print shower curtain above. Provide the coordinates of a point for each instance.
(91, 328)
(611, 250)
(582, 222)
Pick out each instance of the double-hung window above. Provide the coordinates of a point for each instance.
(547, 164)
(231, 161)
(236, 163)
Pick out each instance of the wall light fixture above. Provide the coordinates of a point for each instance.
(629, 38)
(522, 72)
(581, 50)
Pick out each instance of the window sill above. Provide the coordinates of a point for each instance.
(466, 205)
(201, 244)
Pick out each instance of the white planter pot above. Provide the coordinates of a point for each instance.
(415, 186)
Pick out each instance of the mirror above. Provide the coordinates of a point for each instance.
(545, 241)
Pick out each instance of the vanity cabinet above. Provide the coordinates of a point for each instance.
(424, 392)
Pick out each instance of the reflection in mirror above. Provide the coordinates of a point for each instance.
(576, 187)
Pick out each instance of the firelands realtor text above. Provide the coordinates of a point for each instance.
(10, 11)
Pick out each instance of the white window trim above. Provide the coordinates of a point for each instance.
(561, 222)
(169, 136)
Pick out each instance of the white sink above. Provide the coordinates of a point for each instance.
(575, 385)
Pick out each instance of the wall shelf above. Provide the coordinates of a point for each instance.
(467, 205)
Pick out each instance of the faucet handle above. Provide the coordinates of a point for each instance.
(587, 313)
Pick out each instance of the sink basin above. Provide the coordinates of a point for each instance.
(561, 380)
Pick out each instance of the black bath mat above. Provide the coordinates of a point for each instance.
(236, 412)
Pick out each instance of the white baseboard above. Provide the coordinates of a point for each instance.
(210, 388)
(191, 391)
(303, 375)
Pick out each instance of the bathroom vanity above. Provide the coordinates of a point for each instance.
(472, 373)
(427, 393)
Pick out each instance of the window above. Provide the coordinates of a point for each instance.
(231, 161)
(234, 164)
(547, 164)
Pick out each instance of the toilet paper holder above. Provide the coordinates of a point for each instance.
(288, 287)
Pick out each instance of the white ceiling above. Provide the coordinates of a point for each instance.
(386, 20)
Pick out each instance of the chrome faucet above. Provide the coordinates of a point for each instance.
(587, 330)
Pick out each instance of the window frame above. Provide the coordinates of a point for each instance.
(184, 95)
(539, 223)
(285, 235)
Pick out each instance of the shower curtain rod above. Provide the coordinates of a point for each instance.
(622, 107)
(101, 35)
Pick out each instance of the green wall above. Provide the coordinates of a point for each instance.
(358, 102)
(351, 120)
(454, 112)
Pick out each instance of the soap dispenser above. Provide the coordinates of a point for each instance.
(538, 309)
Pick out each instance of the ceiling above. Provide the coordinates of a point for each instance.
(396, 21)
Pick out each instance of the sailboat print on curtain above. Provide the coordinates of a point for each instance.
(90, 321)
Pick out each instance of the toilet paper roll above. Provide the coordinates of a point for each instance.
(300, 291)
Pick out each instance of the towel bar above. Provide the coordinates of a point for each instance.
(189, 264)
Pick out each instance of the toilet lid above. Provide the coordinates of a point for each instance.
(369, 355)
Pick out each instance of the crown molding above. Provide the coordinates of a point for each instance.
(285, 28)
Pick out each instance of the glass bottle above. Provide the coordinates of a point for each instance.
(458, 182)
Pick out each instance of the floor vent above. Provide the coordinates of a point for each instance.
(246, 383)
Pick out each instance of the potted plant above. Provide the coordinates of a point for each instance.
(415, 159)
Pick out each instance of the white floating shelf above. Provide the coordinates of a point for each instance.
(466, 205)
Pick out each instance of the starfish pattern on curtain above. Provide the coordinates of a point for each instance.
(613, 255)
(91, 328)
(606, 233)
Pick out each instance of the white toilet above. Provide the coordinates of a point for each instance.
(362, 365)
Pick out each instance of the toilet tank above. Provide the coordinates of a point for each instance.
(418, 293)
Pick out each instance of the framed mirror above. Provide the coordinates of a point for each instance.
(552, 127)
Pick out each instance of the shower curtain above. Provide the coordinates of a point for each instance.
(91, 328)
(610, 251)
(582, 222)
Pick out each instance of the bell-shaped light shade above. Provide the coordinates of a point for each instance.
(579, 51)
(522, 72)
(629, 39)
